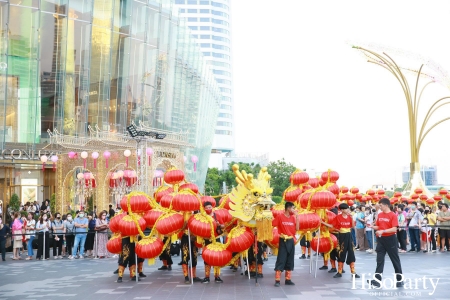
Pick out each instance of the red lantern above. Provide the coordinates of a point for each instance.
(350, 202)
(414, 196)
(275, 242)
(354, 190)
(240, 239)
(151, 216)
(437, 197)
(334, 189)
(161, 191)
(322, 182)
(138, 203)
(325, 244)
(309, 221)
(128, 227)
(291, 193)
(299, 177)
(370, 192)
(351, 196)
(423, 197)
(331, 176)
(223, 215)
(313, 182)
(403, 199)
(174, 176)
(418, 191)
(225, 202)
(277, 210)
(170, 223)
(185, 201)
(443, 192)
(114, 245)
(189, 186)
(166, 200)
(304, 199)
(410, 201)
(149, 247)
(393, 200)
(323, 199)
(344, 189)
(200, 225)
(363, 199)
(216, 255)
(381, 192)
(208, 199)
(330, 216)
(114, 222)
(430, 201)
(397, 194)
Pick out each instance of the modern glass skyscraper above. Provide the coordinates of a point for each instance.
(210, 25)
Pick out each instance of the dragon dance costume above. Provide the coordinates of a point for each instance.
(286, 250)
(128, 258)
(345, 252)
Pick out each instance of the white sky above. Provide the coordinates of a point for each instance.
(302, 93)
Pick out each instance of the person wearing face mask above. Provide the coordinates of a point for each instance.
(101, 226)
(42, 229)
(58, 229)
(4, 230)
(415, 220)
(69, 230)
(30, 231)
(343, 223)
(81, 228)
(89, 245)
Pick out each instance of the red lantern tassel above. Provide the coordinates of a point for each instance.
(139, 160)
(95, 163)
(127, 162)
(106, 163)
(43, 167)
(149, 160)
(195, 167)
(93, 183)
(84, 163)
(54, 167)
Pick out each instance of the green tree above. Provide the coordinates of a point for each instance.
(277, 199)
(280, 171)
(14, 203)
(389, 194)
(212, 182)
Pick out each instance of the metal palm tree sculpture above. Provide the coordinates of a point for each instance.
(418, 130)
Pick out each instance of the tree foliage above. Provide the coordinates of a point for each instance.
(280, 171)
(14, 203)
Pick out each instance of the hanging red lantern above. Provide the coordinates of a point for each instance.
(330, 216)
(437, 198)
(325, 245)
(166, 200)
(223, 215)
(151, 216)
(370, 192)
(313, 182)
(275, 242)
(138, 203)
(344, 189)
(397, 194)
(354, 190)
(381, 192)
(343, 197)
(393, 200)
(149, 247)
(322, 200)
(350, 202)
(185, 200)
(174, 176)
(351, 196)
(277, 210)
(127, 226)
(161, 191)
(114, 245)
(418, 191)
(200, 225)
(414, 196)
(308, 221)
(403, 199)
(334, 188)
(423, 197)
(208, 199)
(322, 182)
(299, 177)
(331, 176)
(291, 193)
(410, 201)
(363, 199)
(306, 187)
(430, 201)
(114, 222)
(225, 202)
(241, 239)
(358, 196)
(216, 255)
(443, 192)
(304, 199)
(189, 186)
(170, 223)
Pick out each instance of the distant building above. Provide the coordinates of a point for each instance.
(429, 175)
(256, 158)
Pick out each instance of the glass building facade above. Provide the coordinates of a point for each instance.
(68, 64)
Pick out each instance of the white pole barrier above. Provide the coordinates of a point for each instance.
(136, 258)
(317, 254)
(248, 266)
(96, 246)
(373, 241)
(43, 247)
(190, 258)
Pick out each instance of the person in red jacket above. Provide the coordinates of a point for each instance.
(344, 223)
(287, 224)
(386, 228)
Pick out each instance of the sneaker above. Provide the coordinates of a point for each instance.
(332, 270)
(119, 279)
(55, 257)
(116, 271)
(196, 279)
(309, 256)
(277, 283)
(205, 280)
(323, 268)
(141, 274)
(134, 278)
(288, 282)
(187, 280)
(356, 275)
(400, 284)
(60, 257)
(71, 257)
(218, 280)
(169, 268)
(260, 275)
(369, 250)
(163, 268)
(412, 250)
(180, 263)
(425, 251)
(374, 283)
(81, 257)
(302, 257)
(433, 251)
(337, 275)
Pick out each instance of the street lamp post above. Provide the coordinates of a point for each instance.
(417, 131)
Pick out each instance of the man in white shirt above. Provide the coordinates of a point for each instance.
(415, 222)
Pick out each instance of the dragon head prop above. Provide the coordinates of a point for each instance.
(251, 201)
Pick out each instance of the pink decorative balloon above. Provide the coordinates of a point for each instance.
(72, 154)
(54, 158)
(94, 155)
(106, 154)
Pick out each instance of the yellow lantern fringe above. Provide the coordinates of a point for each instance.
(151, 261)
(200, 240)
(264, 228)
(275, 251)
(174, 238)
(131, 239)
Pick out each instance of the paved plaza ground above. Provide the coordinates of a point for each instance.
(94, 279)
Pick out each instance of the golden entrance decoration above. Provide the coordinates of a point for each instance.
(86, 165)
(418, 130)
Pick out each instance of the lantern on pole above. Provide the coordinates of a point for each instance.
(149, 152)
(194, 159)
(72, 154)
(84, 155)
(94, 156)
(106, 155)
(54, 159)
(44, 159)
(127, 154)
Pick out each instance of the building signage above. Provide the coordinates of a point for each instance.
(21, 154)
(165, 154)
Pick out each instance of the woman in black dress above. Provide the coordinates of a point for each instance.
(89, 244)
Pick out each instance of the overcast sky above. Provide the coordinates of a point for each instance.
(302, 93)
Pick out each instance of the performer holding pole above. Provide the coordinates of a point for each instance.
(189, 256)
(344, 223)
(127, 258)
(288, 224)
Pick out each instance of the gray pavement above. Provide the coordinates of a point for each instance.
(94, 279)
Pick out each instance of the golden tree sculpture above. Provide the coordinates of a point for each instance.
(418, 129)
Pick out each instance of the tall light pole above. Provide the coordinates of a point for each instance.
(417, 130)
